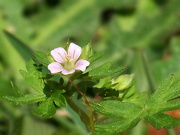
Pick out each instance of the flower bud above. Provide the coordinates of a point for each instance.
(123, 82)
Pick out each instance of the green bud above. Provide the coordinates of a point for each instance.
(123, 82)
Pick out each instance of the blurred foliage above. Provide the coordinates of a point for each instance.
(141, 35)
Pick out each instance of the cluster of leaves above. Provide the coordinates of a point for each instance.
(50, 92)
(120, 115)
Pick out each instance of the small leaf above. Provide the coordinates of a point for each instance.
(94, 62)
(58, 98)
(27, 99)
(45, 109)
(41, 58)
(33, 76)
(104, 71)
(86, 52)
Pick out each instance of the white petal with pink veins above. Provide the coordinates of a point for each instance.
(74, 51)
(81, 65)
(55, 67)
(65, 72)
(59, 54)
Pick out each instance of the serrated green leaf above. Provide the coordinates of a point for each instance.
(162, 120)
(45, 109)
(115, 127)
(166, 98)
(113, 108)
(25, 52)
(122, 116)
(99, 71)
(104, 71)
(58, 98)
(33, 76)
(41, 58)
(94, 62)
(26, 99)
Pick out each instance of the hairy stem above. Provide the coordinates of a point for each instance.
(87, 105)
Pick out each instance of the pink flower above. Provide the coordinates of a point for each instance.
(67, 62)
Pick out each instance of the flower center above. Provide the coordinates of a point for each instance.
(69, 63)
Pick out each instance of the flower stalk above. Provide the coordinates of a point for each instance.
(87, 105)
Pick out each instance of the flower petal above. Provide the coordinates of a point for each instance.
(81, 65)
(59, 54)
(55, 67)
(74, 51)
(65, 72)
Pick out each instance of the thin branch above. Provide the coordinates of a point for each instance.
(87, 105)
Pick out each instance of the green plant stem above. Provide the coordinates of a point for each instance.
(87, 105)
(147, 71)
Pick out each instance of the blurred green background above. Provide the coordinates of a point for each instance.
(143, 35)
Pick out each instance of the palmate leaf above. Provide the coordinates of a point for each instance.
(166, 98)
(122, 116)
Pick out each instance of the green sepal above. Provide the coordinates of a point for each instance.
(45, 109)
